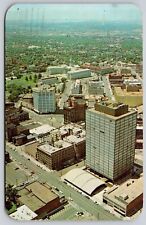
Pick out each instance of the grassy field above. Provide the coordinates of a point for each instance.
(22, 81)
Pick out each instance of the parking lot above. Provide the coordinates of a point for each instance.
(15, 174)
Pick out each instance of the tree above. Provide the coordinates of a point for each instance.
(11, 196)
(30, 77)
(63, 79)
(35, 78)
(26, 78)
(39, 76)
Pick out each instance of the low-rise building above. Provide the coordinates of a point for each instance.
(75, 110)
(23, 213)
(27, 101)
(49, 80)
(96, 87)
(132, 99)
(139, 137)
(40, 199)
(16, 116)
(31, 148)
(56, 156)
(20, 139)
(51, 70)
(79, 144)
(16, 133)
(41, 131)
(76, 87)
(79, 73)
(127, 198)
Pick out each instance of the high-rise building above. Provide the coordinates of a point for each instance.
(110, 139)
(44, 99)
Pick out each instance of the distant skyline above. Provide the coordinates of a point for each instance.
(75, 13)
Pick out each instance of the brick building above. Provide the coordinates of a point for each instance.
(62, 153)
(40, 199)
(126, 199)
(75, 111)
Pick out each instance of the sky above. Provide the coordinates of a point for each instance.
(74, 12)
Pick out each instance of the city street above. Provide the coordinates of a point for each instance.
(44, 176)
(55, 120)
(65, 94)
(107, 88)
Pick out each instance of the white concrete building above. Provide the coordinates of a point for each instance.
(23, 213)
(78, 74)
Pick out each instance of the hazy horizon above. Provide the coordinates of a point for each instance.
(65, 13)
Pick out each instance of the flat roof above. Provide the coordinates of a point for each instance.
(58, 145)
(78, 70)
(124, 92)
(110, 116)
(43, 88)
(43, 129)
(23, 213)
(127, 192)
(83, 180)
(75, 138)
(36, 195)
(140, 109)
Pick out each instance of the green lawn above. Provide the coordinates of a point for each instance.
(22, 81)
(13, 209)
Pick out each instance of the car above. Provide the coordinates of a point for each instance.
(87, 196)
(79, 213)
(16, 168)
(96, 203)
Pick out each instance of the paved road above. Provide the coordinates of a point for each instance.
(55, 120)
(107, 87)
(133, 72)
(66, 214)
(65, 94)
(80, 200)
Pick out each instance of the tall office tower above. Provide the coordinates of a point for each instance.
(110, 139)
(44, 99)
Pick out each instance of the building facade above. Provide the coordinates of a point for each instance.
(96, 87)
(127, 198)
(110, 139)
(44, 100)
(77, 74)
(75, 111)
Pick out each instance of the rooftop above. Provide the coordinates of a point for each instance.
(44, 88)
(78, 70)
(127, 192)
(23, 213)
(43, 129)
(36, 195)
(75, 138)
(111, 116)
(58, 145)
(124, 92)
(83, 180)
